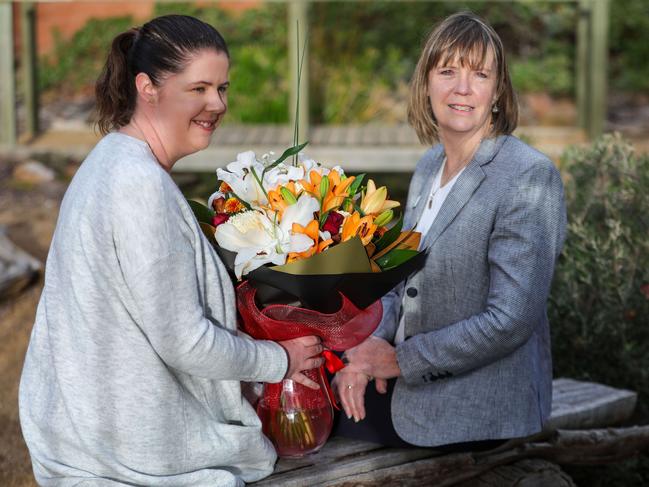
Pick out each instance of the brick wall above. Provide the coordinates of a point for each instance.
(70, 17)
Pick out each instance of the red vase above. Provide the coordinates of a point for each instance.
(297, 419)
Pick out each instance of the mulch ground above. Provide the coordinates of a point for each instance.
(29, 213)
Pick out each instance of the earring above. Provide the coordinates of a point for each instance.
(494, 109)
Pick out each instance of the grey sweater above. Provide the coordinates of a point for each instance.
(133, 368)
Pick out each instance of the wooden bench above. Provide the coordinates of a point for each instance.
(569, 437)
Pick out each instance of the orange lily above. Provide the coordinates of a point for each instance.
(275, 199)
(338, 191)
(313, 184)
(354, 226)
(311, 231)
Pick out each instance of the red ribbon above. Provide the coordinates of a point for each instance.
(332, 362)
(333, 365)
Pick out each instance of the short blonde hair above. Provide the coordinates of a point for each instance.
(466, 37)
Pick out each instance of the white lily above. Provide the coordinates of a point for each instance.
(238, 175)
(311, 165)
(258, 240)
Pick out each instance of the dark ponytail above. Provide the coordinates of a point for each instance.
(161, 46)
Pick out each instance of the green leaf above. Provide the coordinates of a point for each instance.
(395, 258)
(390, 236)
(323, 218)
(202, 213)
(353, 188)
(291, 151)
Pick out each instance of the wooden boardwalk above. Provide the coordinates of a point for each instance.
(344, 462)
(357, 148)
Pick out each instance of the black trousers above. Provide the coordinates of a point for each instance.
(377, 426)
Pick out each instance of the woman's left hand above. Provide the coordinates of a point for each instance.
(375, 357)
(349, 386)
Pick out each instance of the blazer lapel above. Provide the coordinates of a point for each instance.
(463, 189)
(417, 204)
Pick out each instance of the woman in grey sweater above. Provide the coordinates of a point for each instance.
(132, 376)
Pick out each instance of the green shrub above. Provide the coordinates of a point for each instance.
(256, 39)
(599, 304)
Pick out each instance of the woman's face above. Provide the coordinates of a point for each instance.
(462, 97)
(190, 104)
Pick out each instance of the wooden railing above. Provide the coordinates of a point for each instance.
(591, 65)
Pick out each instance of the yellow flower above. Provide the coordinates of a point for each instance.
(375, 200)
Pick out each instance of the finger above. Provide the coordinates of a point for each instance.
(310, 340)
(314, 363)
(381, 386)
(360, 401)
(300, 378)
(314, 349)
(346, 406)
(347, 401)
(355, 401)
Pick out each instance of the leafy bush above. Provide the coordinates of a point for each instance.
(75, 64)
(362, 54)
(256, 39)
(599, 304)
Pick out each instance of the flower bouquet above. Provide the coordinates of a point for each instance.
(315, 250)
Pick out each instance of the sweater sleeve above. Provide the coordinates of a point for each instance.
(154, 238)
(171, 316)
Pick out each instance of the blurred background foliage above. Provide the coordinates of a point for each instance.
(599, 303)
(540, 37)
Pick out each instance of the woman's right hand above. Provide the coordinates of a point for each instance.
(303, 354)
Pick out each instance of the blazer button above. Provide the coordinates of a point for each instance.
(411, 292)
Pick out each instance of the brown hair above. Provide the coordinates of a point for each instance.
(161, 46)
(466, 36)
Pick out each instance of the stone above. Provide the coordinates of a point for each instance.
(33, 172)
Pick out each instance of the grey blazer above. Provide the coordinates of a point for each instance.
(476, 361)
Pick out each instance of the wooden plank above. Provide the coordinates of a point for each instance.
(342, 466)
(582, 85)
(7, 79)
(29, 68)
(598, 67)
(578, 404)
(353, 159)
(333, 450)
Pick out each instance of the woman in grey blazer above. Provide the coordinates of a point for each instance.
(463, 350)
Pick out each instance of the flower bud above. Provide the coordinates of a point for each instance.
(287, 195)
(384, 218)
(324, 187)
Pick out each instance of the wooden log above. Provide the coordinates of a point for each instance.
(575, 404)
(388, 466)
(17, 267)
(525, 473)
